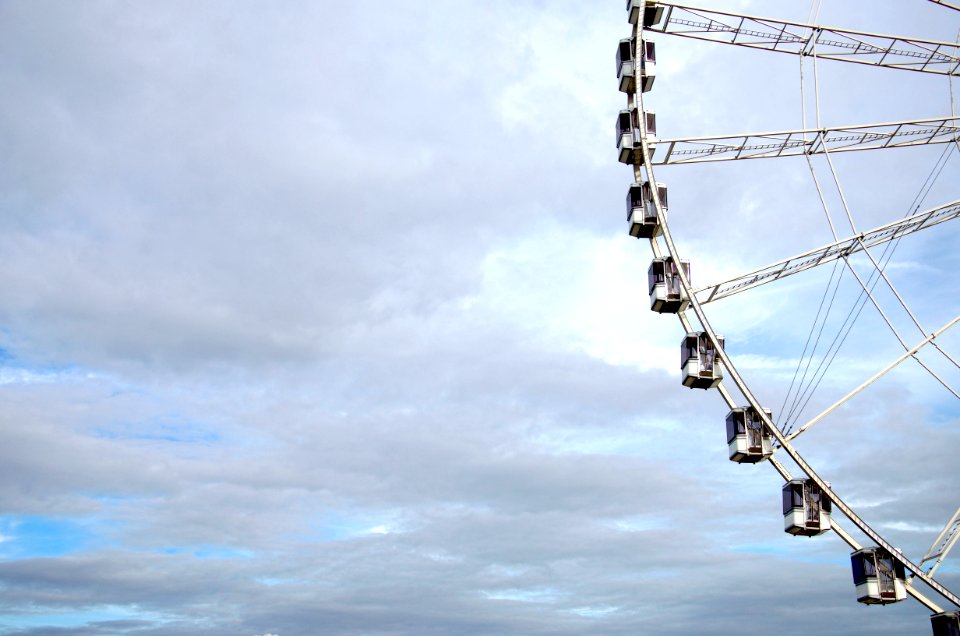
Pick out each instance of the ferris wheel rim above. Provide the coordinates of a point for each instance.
(645, 167)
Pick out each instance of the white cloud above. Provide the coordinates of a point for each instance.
(911, 526)
(590, 612)
(524, 595)
(327, 315)
(579, 292)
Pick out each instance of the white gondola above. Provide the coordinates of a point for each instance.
(650, 128)
(648, 64)
(628, 142)
(878, 576)
(946, 624)
(666, 294)
(628, 133)
(699, 361)
(652, 13)
(642, 218)
(748, 440)
(805, 510)
(626, 68)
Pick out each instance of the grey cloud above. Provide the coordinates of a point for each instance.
(243, 257)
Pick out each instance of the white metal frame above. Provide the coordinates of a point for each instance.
(792, 143)
(861, 47)
(829, 253)
(867, 139)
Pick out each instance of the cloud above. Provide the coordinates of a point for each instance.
(322, 320)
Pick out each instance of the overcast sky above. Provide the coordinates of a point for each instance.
(322, 318)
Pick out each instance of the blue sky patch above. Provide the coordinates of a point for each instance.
(74, 618)
(209, 552)
(343, 527)
(161, 430)
(37, 536)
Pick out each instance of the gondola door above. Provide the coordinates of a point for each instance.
(886, 578)
(754, 432)
(707, 356)
(672, 280)
(811, 505)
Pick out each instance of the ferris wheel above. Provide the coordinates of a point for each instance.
(755, 433)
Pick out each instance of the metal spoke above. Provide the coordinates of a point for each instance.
(942, 3)
(908, 354)
(941, 546)
(789, 143)
(829, 253)
(890, 51)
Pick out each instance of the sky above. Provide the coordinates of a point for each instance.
(322, 318)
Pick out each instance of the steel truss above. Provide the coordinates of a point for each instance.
(789, 143)
(891, 51)
(941, 546)
(943, 3)
(829, 253)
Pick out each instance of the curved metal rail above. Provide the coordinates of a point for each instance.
(636, 100)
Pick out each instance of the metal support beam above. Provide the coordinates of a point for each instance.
(909, 353)
(942, 3)
(829, 253)
(790, 143)
(945, 540)
(861, 47)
